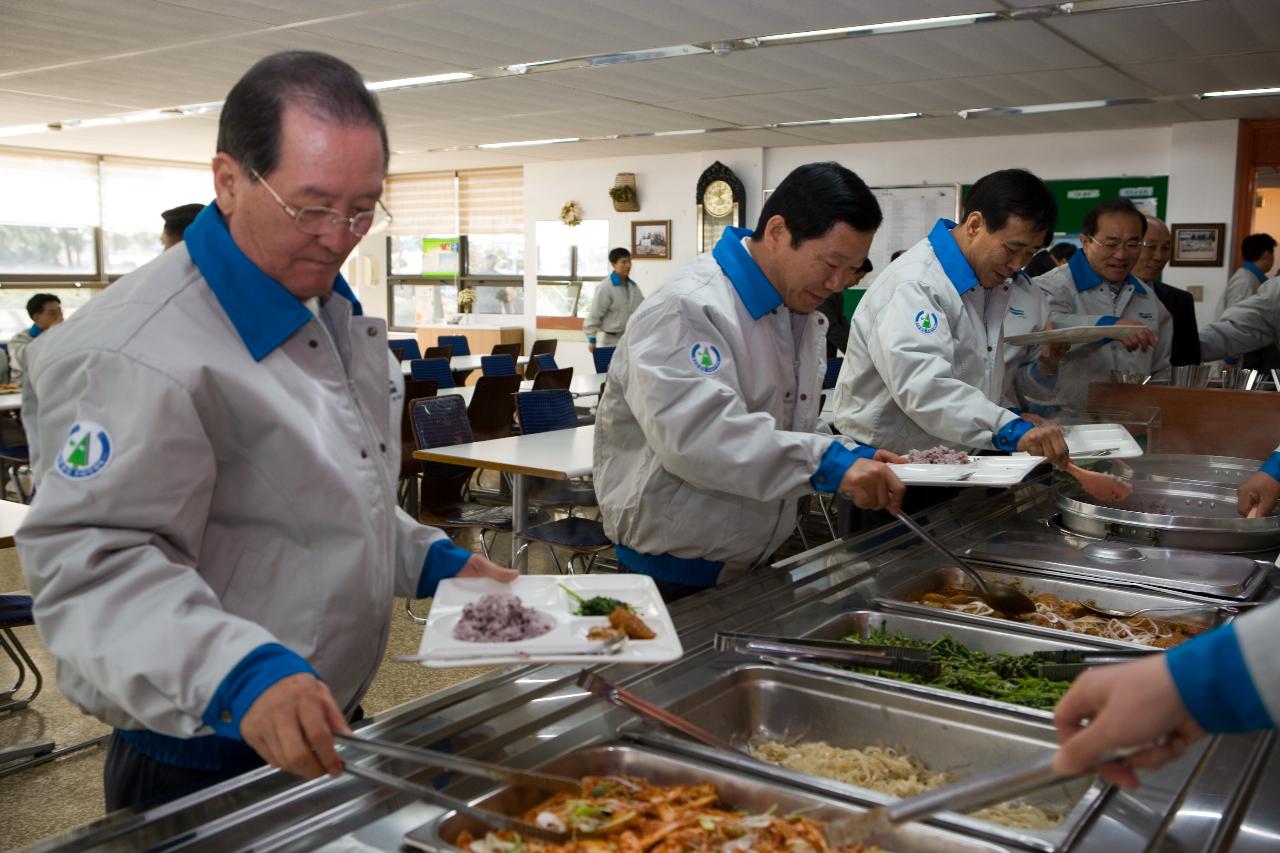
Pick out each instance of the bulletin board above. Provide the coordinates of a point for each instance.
(1149, 193)
(909, 215)
(440, 257)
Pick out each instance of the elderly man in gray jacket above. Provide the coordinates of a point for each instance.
(705, 435)
(216, 540)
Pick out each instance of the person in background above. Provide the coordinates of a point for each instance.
(615, 300)
(833, 309)
(1048, 259)
(1227, 680)
(1157, 248)
(176, 220)
(1259, 254)
(705, 434)
(1096, 287)
(925, 362)
(1251, 325)
(45, 311)
(217, 542)
(896, 255)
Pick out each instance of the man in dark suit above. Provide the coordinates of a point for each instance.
(1157, 247)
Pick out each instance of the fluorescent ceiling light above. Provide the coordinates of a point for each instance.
(200, 109)
(694, 132)
(1031, 109)
(1242, 93)
(489, 145)
(124, 118)
(23, 129)
(847, 120)
(886, 27)
(415, 82)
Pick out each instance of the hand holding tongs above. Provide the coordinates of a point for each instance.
(446, 761)
(887, 658)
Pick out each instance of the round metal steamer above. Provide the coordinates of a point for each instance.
(1170, 515)
(1190, 467)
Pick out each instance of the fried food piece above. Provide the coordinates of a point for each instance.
(628, 622)
(604, 633)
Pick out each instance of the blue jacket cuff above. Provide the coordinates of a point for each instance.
(248, 679)
(1107, 321)
(591, 340)
(1010, 434)
(444, 560)
(835, 462)
(1272, 466)
(1214, 682)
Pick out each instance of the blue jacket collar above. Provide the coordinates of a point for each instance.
(1257, 273)
(263, 312)
(754, 288)
(953, 261)
(1086, 279)
(34, 331)
(619, 281)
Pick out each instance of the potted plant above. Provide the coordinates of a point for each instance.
(623, 192)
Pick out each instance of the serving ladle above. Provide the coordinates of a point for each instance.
(1002, 597)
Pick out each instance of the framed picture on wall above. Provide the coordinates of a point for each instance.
(1197, 245)
(651, 241)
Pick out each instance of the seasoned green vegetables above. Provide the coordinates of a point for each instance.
(1007, 678)
(600, 605)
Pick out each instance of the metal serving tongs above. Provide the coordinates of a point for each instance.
(887, 658)
(629, 701)
(984, 789)
(469, 766)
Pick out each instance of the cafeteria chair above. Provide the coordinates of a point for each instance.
(439, 352)
(833, 372)
(545, 346)
(493, 406)
(15, 611)
(546, 411)
(436, 369)
(15, 458)
(513, 350)
(414, 389)
(603, 356)
(546, 361)
(498, 365)
(406, 349)
(547, 380)
(458, 342)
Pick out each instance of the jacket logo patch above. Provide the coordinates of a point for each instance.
(86, 451)
(705, 357)
(1144, 315)
(927, 322)
(1017, 312)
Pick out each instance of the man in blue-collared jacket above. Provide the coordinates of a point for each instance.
(705, 436)
(216, 442)
(1097, 287)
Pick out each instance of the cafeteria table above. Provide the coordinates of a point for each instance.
(12, 514)
(558, 455)
(460, 363)
(580, 387)
(11, 402)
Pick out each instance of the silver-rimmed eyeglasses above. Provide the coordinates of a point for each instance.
(318, 221)
(1113, 243)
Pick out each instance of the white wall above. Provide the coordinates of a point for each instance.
(1198, 157)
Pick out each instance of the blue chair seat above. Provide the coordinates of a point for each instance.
(580, 534)
(15, 610)
(19, 454)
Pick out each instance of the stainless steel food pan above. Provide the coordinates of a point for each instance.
(1190, 467)
(902, 597)
(736, 790)
(758, 702)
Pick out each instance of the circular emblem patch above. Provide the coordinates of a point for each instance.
(927, 322)
(86, 451)
(705, 357)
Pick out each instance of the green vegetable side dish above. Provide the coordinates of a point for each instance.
(1006, 678)
(600, 605)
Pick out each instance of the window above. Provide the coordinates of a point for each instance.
(134, 194)
(480, 215)
(48, 216)
(570, 263)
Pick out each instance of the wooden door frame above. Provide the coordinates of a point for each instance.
(1258, 145)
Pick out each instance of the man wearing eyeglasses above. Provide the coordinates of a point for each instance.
(215, 441)
(1157, 248)
(1097, 287)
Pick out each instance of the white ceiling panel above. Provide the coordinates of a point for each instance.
(24, 108)
(586, 123)
(1210, 74)
(277, 12)
(191, 139)
(511, 97)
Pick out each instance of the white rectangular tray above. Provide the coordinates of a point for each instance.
(542, 592)
(981, 470)
(1084, 440)
(1069, 335)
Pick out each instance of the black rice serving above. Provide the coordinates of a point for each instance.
(500, 618)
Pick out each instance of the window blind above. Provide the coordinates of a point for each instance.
(422, 205)
(491, 201)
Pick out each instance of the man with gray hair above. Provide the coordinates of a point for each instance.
(216, 442)
(1157, 248)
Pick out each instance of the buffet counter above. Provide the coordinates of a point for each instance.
(1222, 794)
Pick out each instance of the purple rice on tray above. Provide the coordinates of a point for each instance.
(940, 455)
(500, 618)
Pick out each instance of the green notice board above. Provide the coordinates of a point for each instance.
(852, 297)
(1077, 197)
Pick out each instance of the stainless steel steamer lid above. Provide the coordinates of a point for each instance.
(1198, 572)
(1221, 470)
